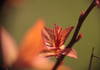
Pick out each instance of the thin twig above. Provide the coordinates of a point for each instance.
(72, 42)
(91, 59)
(96, 57)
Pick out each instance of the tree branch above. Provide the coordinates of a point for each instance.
(82, 17)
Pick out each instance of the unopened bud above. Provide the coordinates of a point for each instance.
(82, 13)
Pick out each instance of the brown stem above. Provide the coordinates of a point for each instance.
(72, 42)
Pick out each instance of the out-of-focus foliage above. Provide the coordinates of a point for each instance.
(29, 53)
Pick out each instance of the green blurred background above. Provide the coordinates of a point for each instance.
(62, 12)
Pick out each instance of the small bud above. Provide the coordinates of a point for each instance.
(82, 13)
(79, 37)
